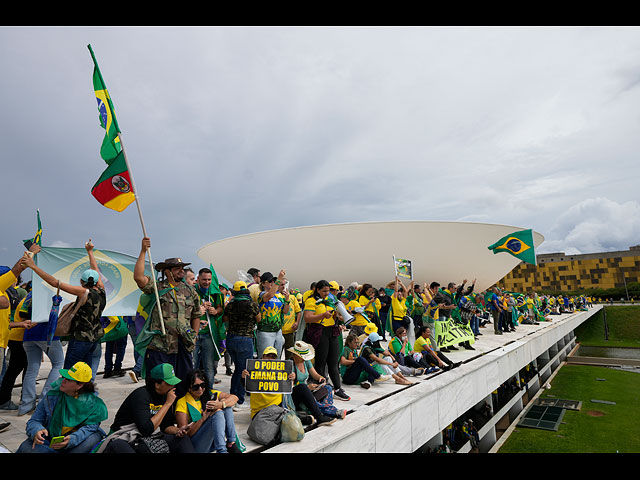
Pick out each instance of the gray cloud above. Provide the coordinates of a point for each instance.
(236, 130)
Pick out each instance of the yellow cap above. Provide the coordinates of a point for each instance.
(80, 372)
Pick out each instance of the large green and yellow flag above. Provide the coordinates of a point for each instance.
(519, 244)
(113, 188)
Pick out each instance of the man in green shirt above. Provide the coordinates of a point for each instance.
(212, 331)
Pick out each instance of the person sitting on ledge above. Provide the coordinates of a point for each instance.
(67, 419)
(423, 346)
(373, 352)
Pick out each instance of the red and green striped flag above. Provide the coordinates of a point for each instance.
(113, 188)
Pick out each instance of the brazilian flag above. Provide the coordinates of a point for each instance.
(146, 305)
(215, 327)
(519, 244)
(115, 328)
(37, 238)
(111, 143)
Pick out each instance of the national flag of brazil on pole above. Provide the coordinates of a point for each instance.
(519, 244)
(37, 238)
(113, 188)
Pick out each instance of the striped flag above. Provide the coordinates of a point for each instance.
(113, 188)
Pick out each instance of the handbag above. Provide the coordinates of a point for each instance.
(320, 393)
(67, 313)
(153, 444)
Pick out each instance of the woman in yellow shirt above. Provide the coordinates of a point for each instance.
(324, 334)
(398, 310)
(371, 304)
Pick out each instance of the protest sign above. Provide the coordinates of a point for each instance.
(403, 268)
(450, 332)
(268, 376)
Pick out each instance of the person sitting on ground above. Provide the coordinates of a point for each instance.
(303, 390)
(67, 419)
(259, 401)
(423, 346)
(208, 415)
(354, 368)
(373, 352)
(411, 363)
(147, 409)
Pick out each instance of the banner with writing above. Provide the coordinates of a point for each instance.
(268, 376)
(451, 333)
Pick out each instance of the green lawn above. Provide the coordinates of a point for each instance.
(624, 328)
(597, 427)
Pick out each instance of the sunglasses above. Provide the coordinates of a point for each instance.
(197, 386)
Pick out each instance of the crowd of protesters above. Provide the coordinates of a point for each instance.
(360, 334)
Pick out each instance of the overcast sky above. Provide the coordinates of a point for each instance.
(237, 130)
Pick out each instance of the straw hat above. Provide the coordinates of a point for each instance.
(303, 350)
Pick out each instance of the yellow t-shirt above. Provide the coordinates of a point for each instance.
(17, 334)
(291, 315)
(319, 308)
(258, 401)
(399, 308)
(374, 307)
(6, 280)
(359, 321)
(421, 343)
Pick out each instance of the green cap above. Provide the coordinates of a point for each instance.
(164, 371)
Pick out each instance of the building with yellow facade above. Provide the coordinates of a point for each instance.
(570, 273)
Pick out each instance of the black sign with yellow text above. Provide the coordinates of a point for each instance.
(268, 376)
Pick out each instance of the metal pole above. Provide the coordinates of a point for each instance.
(144, 232)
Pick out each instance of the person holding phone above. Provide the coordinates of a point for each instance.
(207, 416)
(68, 418)
(146, 410)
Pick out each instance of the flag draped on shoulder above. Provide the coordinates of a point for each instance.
(519, 244)
(113, 188)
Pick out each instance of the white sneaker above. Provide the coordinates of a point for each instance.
(133, 376)
(241, 407)
(384, 378)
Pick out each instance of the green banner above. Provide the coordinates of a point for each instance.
(451, 333)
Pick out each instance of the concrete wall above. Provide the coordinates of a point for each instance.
(416, 417)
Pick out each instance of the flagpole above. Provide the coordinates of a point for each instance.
(144, 231)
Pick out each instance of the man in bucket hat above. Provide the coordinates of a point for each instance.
(180, 307)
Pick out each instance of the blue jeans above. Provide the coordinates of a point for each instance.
(34, 350)
(269, 339)
(203, 356)
(353, 372)
(216, 431)
(84, 447)
(80, 351)
(475, 324)
(240, 349)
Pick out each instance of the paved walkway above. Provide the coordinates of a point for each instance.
(114, 390)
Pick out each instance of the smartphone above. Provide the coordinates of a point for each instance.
(55, 440)
(214, 396)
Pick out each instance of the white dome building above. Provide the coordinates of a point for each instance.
(363, 252)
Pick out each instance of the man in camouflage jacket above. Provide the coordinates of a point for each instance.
(180, 307)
